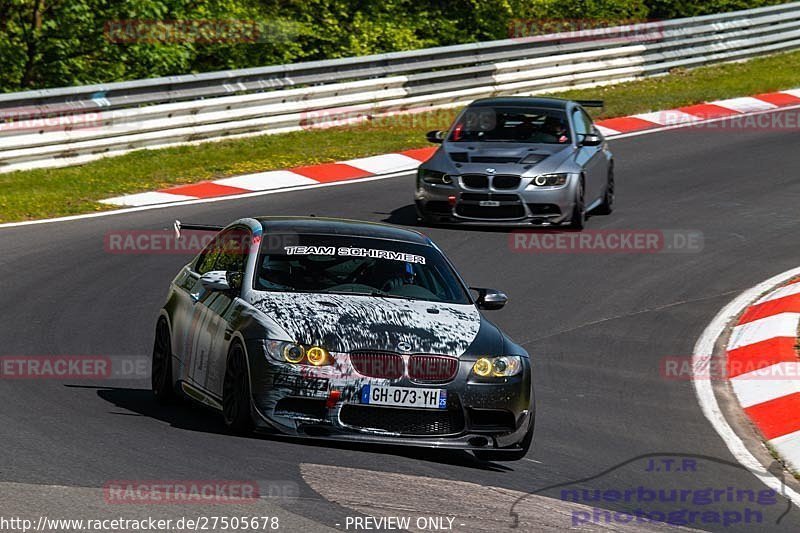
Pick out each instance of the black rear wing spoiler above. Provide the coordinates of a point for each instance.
(178, 226)
(590, 103)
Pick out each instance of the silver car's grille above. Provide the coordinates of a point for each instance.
(475, 181)
(482, 181)
(505, 182)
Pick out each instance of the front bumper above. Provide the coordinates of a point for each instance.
(521, 207)
(325, 402)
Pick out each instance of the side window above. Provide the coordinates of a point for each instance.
(589, 121)
(583, 124)
(233, 248)
(205, 263)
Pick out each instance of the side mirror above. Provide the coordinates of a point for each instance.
(215, 280)
(435, 136)
(590, 139)
(490, 299)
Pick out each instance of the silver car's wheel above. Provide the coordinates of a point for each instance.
(236, 393)
(424, 220)
(578, 218)
(608, 198)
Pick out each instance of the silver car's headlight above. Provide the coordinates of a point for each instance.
(549, 180)
(500, 366)
(434, 178)
(291, 352)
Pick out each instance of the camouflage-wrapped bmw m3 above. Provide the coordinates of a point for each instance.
(338, 329)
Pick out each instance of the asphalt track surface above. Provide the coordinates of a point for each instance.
(597, 326)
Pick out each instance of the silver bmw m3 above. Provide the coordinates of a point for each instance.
(328, 328)
(518, 161)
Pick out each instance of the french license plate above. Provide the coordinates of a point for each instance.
(404, 397)
(489, 203)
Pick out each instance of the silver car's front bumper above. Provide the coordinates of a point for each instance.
(524, 207)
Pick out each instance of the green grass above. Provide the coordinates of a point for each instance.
(43, 193)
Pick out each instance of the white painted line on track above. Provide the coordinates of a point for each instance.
(146, 198)
(198, 201)
(701, 358)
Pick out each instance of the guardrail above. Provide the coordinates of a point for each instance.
(58, 127)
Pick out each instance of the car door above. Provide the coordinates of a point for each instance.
(187, 315)
(194, 340)
(590, 158)
(218, 310)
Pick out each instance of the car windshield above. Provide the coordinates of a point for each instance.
(356, 265)
(511, 124)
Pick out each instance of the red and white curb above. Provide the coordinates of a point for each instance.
(352, 169)
(753, 345)
(764, 369)
(408, 160)
(699, 113)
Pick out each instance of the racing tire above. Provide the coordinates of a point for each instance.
(424, 220)
(516, 455)
(161, 370)
(236, 411)
(608, 197)
(577, 220)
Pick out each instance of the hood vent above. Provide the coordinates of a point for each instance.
(494, 159)
(533, 159)
(464, 157)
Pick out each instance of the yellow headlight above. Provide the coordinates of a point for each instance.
(317, 356)
(482, 367)
(293, 353)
